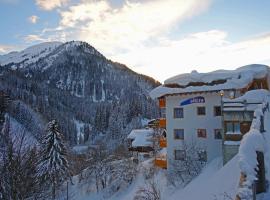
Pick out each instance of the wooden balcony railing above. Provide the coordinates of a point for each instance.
(162, 102)
(162, 142)
(162, 123)
(233, 137)
(161, 162)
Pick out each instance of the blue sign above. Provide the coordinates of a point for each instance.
(198, 99)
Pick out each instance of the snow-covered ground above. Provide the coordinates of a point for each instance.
(216, 182)
(212, 184)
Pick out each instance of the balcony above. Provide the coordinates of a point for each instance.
(233, 137)
(162, 142)
(162, 102)
(162, 123)
(161, 162)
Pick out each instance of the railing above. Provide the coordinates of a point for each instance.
(162, 142)
(162, 123)
(162, 102)
(161, 162)
(237, 104)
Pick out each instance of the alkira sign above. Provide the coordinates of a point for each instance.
(198, 99)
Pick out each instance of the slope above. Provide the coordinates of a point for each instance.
(73, 82)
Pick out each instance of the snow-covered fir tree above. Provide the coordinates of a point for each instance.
(53, 167)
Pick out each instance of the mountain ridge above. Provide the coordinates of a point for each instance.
(74, 82)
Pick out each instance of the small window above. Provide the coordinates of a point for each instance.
(202, 155)
(178, 134)
(218, 134)
(179, 154)
(201, 133)
(229, 127)
(217, 111)
(232, 127)
(237, 127)
(178, 113)
(201, 110)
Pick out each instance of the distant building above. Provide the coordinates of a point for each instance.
(141, 140)
(194, 112)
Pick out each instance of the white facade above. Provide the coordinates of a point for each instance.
(206, 87)
(190, 122)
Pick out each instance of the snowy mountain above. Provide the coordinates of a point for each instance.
(90, 96)
(29, 55)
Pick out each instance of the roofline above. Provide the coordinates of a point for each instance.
(200, 92)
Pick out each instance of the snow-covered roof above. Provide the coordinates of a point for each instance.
(253, 96)
(211, 81)
(141, 137)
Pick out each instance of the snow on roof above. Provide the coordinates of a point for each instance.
(252, 96)
(211, 81)
(141, 137)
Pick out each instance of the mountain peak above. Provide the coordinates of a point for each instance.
(30, 54)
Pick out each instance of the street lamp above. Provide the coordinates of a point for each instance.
(221, 94)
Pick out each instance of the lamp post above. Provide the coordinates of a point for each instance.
(221, 94)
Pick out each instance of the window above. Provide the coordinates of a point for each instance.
(217, 111)
(218, 134)
(201, 133)
(178, 113)
(178, 134)
(201, 110)
(232, 127)
(202, 155)
(236, 127)
(179, 154)
(229, 127)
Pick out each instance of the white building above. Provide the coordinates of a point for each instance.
(191, 108)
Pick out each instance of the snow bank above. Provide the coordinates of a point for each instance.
(252, 142)
(215, 182)
(230, 79)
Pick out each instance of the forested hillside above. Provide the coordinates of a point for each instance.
(90, 96)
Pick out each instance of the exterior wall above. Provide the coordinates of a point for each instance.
(191, 122)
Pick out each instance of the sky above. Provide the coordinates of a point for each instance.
(159, 38)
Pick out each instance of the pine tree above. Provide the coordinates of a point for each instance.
(54, 167)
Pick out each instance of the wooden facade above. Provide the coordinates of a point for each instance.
(162, 102)
(162, 123)
(161, 162)
(162, 142)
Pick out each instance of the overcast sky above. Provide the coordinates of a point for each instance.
(159, 38)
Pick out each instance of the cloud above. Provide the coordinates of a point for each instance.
(204, 51)
(115, 29)
(50, 4)
(5, 48)
(137, 33)
(35, 38)
(33, 19)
